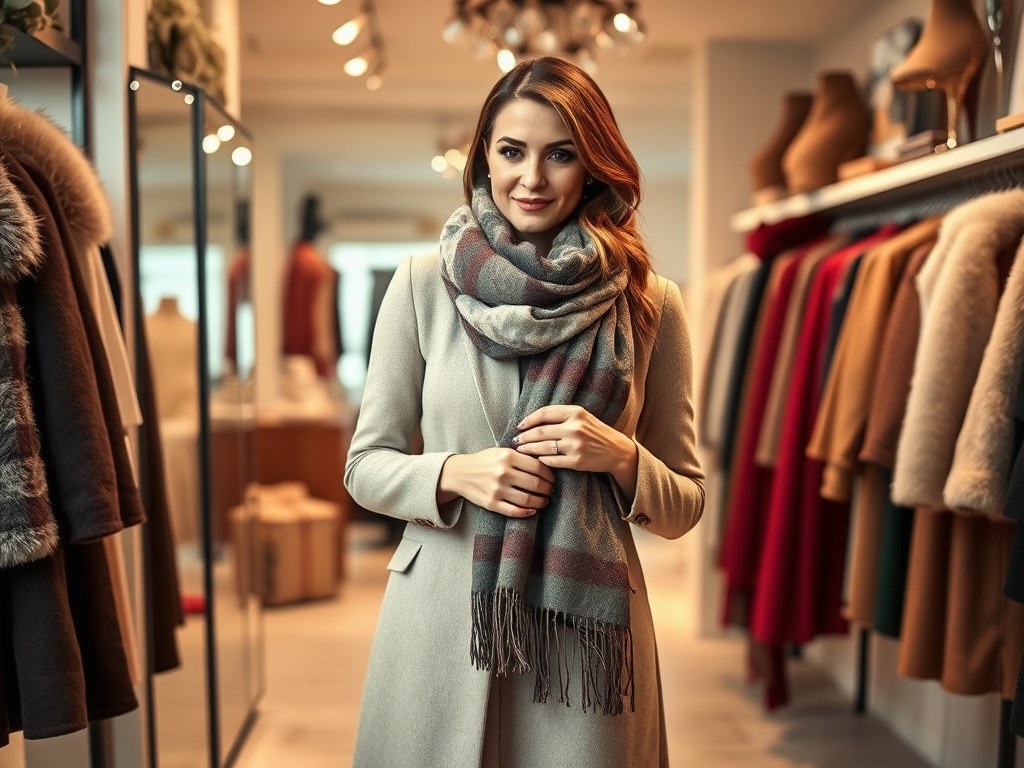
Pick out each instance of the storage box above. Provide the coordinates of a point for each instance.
(287, 549)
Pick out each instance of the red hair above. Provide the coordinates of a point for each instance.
(608, 208)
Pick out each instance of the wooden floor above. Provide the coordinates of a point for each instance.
(317, 655)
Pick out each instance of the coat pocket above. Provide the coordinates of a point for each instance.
(404, 555)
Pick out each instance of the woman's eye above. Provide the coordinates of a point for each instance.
(561, 156)
(509, 152)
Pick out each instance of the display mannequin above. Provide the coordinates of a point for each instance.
(174, 340)
(766, 168)
(174, 345)
(835, 131)
(311, 297)
(948, 56)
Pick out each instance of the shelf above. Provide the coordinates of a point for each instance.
(48, 48)
(931, 174)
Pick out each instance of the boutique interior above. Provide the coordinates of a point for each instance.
(835, 187)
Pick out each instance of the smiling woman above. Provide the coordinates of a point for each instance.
(529, 348)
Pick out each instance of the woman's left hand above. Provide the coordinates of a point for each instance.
(570, 437)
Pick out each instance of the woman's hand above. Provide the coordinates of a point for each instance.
(570, 437)
(499, 479)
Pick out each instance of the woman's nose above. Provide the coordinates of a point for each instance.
(533, 175)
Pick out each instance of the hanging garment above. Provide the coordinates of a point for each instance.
(716, 287)
(839, 429)
(800, 577)
(164, 596)
(70, 667)
(726, 351)
(840, 303)
(881, 433)
(750, 484)
(985, 452)
(771, 429)
(960, 287)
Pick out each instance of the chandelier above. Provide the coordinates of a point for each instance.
(511, 30)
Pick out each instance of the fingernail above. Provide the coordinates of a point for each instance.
(520, 424)
(515, 440)
(531, 512)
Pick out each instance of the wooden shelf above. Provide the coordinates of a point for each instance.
(926, 175)
(48, 48)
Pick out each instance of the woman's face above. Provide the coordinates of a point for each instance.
(537, 178)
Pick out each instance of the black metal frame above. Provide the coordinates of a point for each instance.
(198, 106)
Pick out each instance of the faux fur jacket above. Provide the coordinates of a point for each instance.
(985, 452)
(28, 530)
(960, 286)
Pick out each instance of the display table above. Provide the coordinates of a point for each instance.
(310, 451)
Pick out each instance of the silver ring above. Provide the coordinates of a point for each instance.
(557, 452)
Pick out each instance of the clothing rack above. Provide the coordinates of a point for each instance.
(915, 190)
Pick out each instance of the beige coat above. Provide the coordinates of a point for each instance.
(959, 286)
(424, 704)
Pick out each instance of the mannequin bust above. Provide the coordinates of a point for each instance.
(836, 131)
(766, 172)
(173, 339)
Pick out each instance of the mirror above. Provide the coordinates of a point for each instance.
(191, 185)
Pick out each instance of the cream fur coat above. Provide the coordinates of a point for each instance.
(960, 289)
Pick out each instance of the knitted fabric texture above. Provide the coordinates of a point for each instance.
(552, 588)
(28, 530)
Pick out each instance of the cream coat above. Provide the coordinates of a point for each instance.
(985, 452)
(424, 705)
(959, 288)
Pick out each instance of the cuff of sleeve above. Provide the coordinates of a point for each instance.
(836, 483)
(437, 516)
(627, 511)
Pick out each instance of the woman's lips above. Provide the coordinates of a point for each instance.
(528, 204)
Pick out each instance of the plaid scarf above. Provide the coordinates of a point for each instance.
(28, 530)
(554, 586)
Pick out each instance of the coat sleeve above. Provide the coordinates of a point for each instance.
(670, 484)
(381, 473)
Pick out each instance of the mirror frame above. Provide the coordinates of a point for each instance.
(201, 101)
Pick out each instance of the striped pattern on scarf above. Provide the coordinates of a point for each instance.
(554, 587)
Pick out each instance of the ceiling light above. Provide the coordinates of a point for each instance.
(241, 156)
(514, 30)
(329, 2)
(349, 31)
(506, 60)
(211, 143)
(439, 163)
(226, 132)
(374, 82)
(357, 67)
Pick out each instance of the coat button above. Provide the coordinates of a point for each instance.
(641, 519)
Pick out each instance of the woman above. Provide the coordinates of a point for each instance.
(549, 371)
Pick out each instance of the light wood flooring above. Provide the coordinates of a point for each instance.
(317, 655)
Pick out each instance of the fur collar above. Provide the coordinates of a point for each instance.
(34, 138)
(20, 246)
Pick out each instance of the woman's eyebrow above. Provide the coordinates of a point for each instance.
(518, 143)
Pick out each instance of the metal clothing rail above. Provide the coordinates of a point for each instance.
(918, 189)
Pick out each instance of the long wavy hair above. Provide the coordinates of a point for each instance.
(608, 210)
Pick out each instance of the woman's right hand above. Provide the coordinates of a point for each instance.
(499, 479)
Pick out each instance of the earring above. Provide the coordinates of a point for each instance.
(488, 175)
(590, 181)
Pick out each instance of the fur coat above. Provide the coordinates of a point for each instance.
(960, 286)
(28, 530)
(985, 450)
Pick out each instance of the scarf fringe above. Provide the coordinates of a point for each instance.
(509, 635)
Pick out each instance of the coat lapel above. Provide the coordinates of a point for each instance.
(497, 383)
